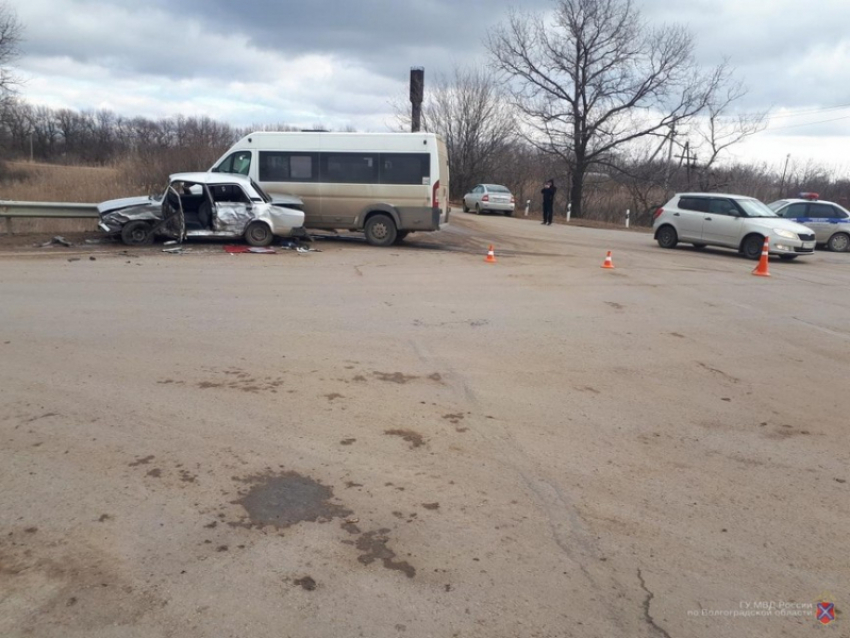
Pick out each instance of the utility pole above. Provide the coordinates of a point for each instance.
(784, 170)
(672, 135)
(689, 161)
(417, 91)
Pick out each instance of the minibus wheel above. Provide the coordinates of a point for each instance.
(380, 230)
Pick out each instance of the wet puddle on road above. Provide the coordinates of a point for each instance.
(282, 500)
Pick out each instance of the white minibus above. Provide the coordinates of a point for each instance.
(387, 185)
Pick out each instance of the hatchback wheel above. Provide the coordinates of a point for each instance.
(753, 246)
(667, 237)
(839, 242)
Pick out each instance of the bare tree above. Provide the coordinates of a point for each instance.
(597, 77)
(10, 37)
(642, 168)
(477, 124)
(718, 130)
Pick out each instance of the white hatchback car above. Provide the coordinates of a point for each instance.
(732, 221)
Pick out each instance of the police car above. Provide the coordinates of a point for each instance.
(829, 221)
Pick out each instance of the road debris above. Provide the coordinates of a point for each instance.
(298, 245)
(234, 249)
(307, 582)
(58, 240)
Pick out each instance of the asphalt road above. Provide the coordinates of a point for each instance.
(413, 442)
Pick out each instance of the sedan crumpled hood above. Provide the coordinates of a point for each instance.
(290, 201)
(126, 202)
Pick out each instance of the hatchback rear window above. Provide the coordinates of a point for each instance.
(694, 203)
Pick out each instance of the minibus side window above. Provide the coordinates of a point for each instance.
(278, 166)
(405, 168)
(349, 168)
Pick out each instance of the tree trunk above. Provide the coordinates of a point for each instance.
(576, 189)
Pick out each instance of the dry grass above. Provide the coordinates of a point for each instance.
(133, 175)
(33, 182)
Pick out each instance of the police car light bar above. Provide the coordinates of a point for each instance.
(809, 196)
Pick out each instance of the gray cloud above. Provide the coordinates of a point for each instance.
(383, 34)
(343, 62)
(787, 53)
(780, 49)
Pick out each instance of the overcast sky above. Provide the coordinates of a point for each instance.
(342, 62)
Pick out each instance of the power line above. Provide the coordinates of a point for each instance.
(809, 112)
(824, 109)
(835, 119)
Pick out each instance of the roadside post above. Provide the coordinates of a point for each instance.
(569, 211)
(627, 218)
(527, 205)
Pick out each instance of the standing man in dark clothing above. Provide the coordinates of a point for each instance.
(548, 192)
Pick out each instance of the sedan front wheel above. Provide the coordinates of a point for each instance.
(137, 233)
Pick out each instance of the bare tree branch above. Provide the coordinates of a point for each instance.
(596, 78)
(11, 32)
(476, 123)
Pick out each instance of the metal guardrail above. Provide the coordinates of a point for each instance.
(64, 210)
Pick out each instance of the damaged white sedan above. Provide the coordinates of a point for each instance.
(214, 205)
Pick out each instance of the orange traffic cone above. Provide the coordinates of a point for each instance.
(608, 263)
(491, 256)
(761, 269)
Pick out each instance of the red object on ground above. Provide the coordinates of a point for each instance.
(236, 248)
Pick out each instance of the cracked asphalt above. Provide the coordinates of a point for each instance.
(413, 442)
